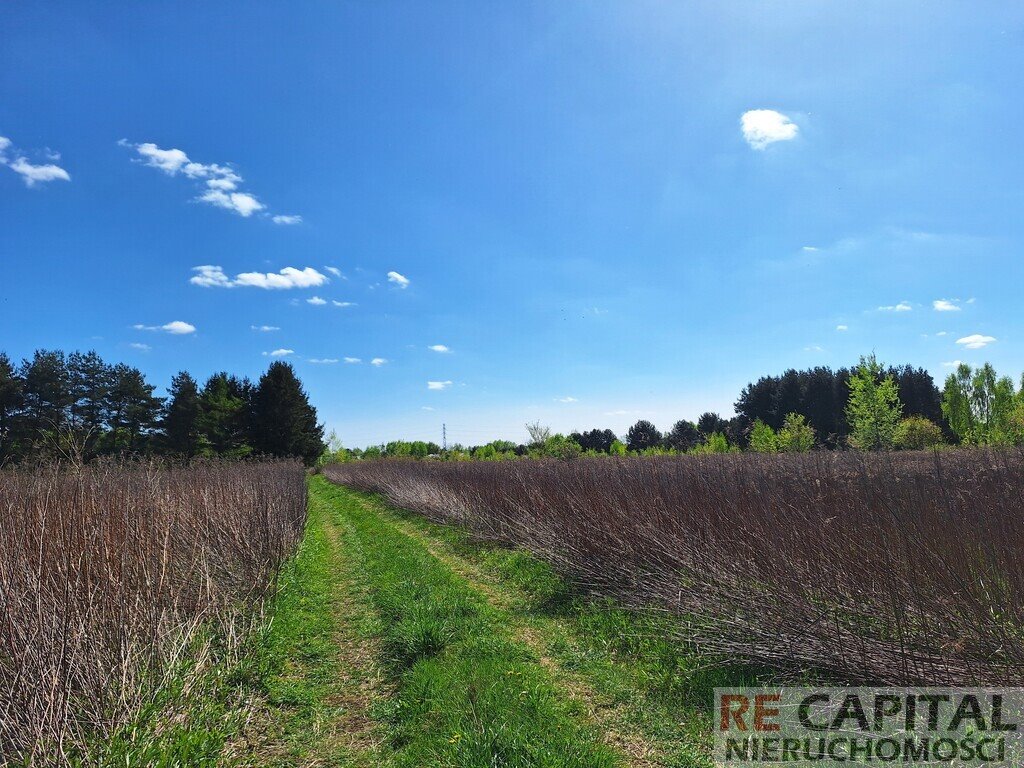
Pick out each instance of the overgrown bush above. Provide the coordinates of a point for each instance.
(917, 432)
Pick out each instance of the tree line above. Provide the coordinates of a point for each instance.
(79, 407)
(868, 406)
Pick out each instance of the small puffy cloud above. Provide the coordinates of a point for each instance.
(30, 173)
(353, 360)
(140, 346)
(211, 276)
(426, 408)
(170, 161)
(378, 362)
(334, 271)
(842, 327)
(903, 306)
(566, 400)
(342, 304)
(439, 348)
(289, 277)
(316, 301)
(323, 360)
(175, 327)
(279, 353)
(37, 174)
(976, 341)
(952, 363)
(810, 248)
(241, 203)
(264, 328)
(220, 183)
(941, 333)
(438, 385)
(762, 127)
(945, 305)
(400, 280)
(814, 348)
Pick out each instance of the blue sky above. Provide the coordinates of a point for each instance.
(566, 192)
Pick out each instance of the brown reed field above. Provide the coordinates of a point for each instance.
(112, 576)
(901, 568)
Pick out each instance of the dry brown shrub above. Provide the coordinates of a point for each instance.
(108, 573)
(896, 568)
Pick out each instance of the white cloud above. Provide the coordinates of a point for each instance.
(400, 280)
(762, 127)
(842, 327)
(976, 341)
(175, 327)
(316, 301)
(952, 363)
(323, 360)
(36, 174)
(241, 203)
(903, 306)
(439, 348)
(941, 333)
(378, 361)
(265, 328)
(221, 182)
(170, 161)
(426, 408)
(566, 400)
(343, 304)
(814, 348)
(279, 353)
(30, 173)
(334, 271)
(945, 305)
(810, 248)
(353, 360)
(437, 385)
(140, 346)
(289, 277)
(211, 276)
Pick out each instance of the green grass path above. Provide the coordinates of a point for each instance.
(319, 660)
(448, 683)
(647, 692)
(401, 643)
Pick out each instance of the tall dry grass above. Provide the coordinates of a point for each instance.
(894, 568)
(109, 574)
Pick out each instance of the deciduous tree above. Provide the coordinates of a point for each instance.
(874, 408)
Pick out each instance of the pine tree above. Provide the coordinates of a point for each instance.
(10, 405)
(133, 408)
(90, 380)
(643, 435)
(180, 423)
(47, 394)
(285, 422)
(225, 416)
